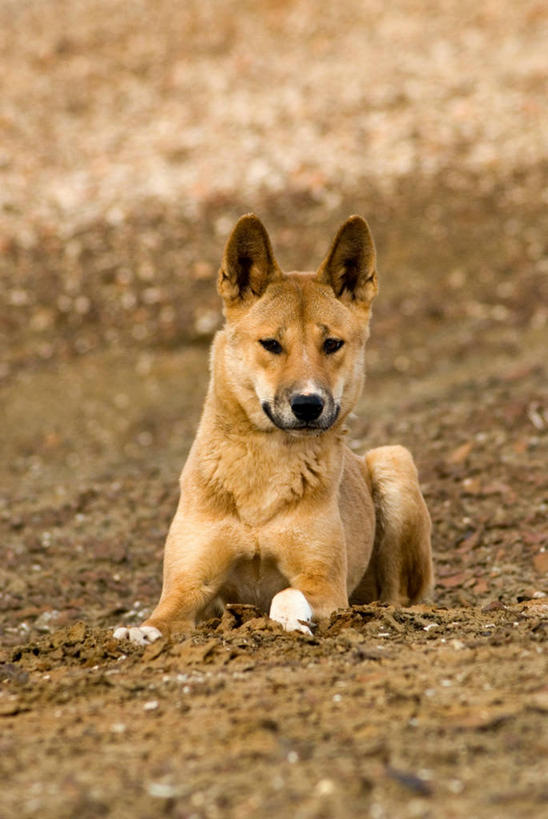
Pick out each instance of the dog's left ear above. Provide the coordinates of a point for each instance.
(248, 264)
(350, 265)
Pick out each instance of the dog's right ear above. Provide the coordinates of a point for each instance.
(248, 264)
(350, 266)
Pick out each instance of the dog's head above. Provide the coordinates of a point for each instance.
(293, 344)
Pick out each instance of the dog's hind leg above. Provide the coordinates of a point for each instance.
(400, 570)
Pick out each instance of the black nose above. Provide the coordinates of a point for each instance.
(307, 407)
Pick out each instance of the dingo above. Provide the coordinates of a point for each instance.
(275, 510)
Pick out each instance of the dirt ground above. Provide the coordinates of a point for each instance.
(107, 306)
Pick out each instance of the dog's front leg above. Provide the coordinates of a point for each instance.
(197, 558)
(313, 558)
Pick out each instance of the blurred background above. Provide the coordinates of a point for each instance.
(132, 136)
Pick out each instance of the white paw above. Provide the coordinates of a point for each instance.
(141, 635)
(291, 608)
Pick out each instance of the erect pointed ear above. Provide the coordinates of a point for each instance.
(350, 265)
(248, 264)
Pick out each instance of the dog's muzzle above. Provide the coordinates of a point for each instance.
(302, 411)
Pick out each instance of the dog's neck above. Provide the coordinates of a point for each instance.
(259, 473)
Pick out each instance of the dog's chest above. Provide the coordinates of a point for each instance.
(264, 480)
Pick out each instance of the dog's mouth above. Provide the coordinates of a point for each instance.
(288, 422)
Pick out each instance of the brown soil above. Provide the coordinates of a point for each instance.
(436, 710)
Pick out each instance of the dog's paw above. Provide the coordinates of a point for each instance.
(141, 635)
(291, 608)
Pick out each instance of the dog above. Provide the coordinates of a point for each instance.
(275, 510)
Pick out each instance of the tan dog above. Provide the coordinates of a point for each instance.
(275, 510)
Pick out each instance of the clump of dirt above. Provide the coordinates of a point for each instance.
(382, 706)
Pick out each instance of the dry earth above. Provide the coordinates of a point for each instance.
(131, 139)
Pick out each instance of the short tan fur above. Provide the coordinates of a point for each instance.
(275, 509)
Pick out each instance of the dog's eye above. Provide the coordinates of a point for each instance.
(271, 345)
(331, 345)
